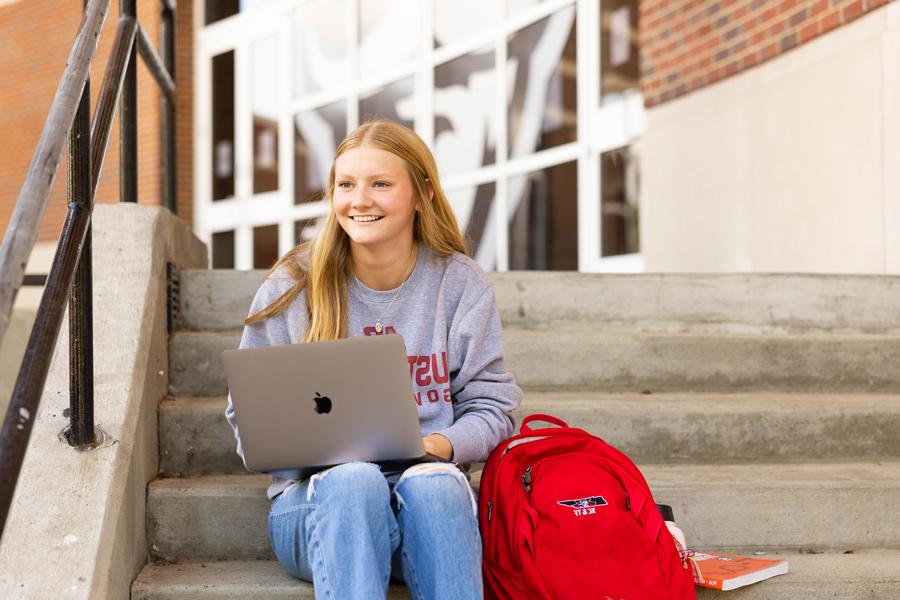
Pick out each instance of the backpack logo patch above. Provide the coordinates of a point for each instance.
(582, 507)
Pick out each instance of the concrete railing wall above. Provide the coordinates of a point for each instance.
(76, 529)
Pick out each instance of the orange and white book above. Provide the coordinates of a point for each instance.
(729, 571)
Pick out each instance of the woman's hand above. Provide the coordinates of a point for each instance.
(438, 445)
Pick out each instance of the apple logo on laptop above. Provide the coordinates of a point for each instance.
(323, 404)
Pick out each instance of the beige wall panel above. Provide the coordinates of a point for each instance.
(782, 168)
(892, 140)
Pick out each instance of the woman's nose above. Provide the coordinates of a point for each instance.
(360, 197)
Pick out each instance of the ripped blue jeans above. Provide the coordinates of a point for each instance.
(341, 530)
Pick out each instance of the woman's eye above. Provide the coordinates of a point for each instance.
(344, 185)
(380, 184)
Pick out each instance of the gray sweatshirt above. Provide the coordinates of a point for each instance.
(448, 317)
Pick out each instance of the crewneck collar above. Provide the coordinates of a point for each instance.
(384, 296)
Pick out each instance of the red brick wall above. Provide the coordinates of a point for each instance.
(35, 40)
(689, 44)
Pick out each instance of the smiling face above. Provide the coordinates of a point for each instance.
(373, 199)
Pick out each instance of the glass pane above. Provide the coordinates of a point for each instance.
(542, 106)
(223, 250)
(543, 226)
(464, 128)
(217, 10)
(320, 46)
(456, 20)
(306, 230)
(473, 208)
(389, 34)
(317, 134)
(265, 246)
(620, 67)
(619, 214)
(393, 101)
(264, 103)
(223, 125)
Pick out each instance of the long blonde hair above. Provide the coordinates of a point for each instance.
(325, 278)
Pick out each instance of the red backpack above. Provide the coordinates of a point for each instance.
(566, 516)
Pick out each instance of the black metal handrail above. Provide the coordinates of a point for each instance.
(70, 273)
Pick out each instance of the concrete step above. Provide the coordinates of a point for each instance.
(630, 362)
(227, 580)
(195, 439)
(780, 506)
(734, 303)
(859, 576)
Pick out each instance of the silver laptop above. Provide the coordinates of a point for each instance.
(305, 406)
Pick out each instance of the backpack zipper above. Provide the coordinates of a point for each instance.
(490, 510)
(526, 479)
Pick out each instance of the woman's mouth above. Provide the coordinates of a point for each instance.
(366, 218)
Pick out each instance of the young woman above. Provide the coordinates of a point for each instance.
(391, 259)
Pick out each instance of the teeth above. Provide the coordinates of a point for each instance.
(366, 219)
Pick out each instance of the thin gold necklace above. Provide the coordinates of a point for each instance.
(362, 296)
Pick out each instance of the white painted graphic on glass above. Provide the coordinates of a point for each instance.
(224, 162)
(320, 46)
(389, 34)
(620, 36)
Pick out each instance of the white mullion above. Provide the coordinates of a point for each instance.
(243, 142)
(471, 44)
(286, 135)
(264, 210)
(202, 159)
(517, 166)
(353, 57)
(424, 84)
(219, 37)
(243, 247)
(373, 84)
(403, 71)
(501, 201)
(229, 214)
(588, 67)
(319, 99)
(309, 210)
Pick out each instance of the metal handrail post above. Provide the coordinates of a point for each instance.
(81, 330)
(128, 191)
(168, 158)
(26, 395)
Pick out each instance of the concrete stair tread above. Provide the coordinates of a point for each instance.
(880, 474)
(863, 574)
(223, 580)
(581, 402)
(788, 506)
(590, 330)
(217, 299)
(673, 427)
(669, 362)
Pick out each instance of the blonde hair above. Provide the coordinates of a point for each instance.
(325, 278)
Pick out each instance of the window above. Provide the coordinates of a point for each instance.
(530, 123)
